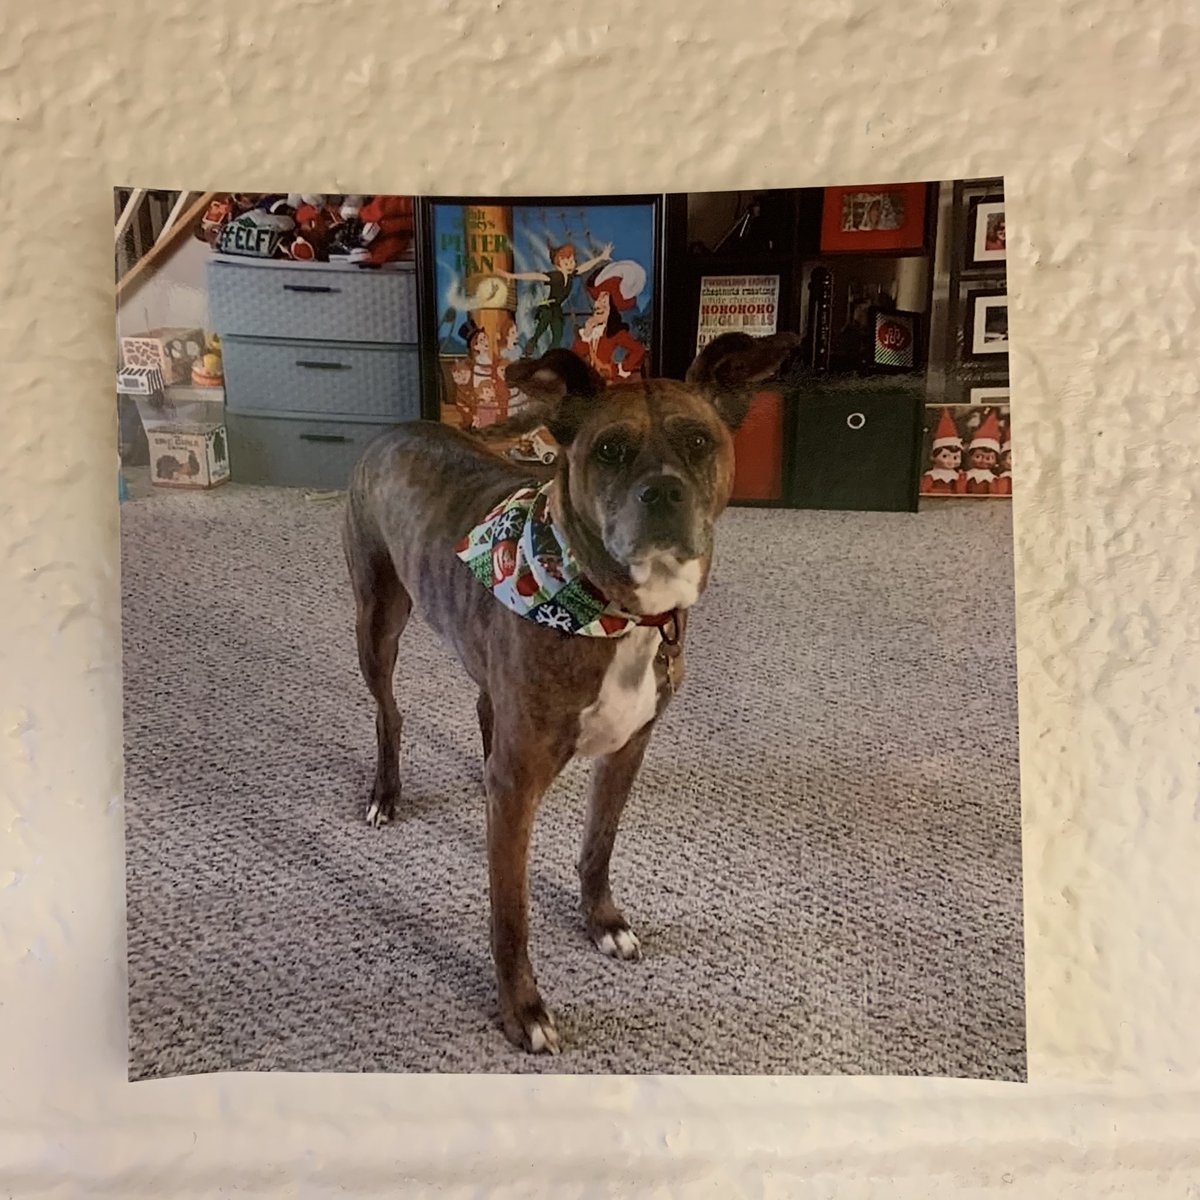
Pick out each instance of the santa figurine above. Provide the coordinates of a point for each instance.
(945, 459)
(1002, 485)
(983, 453)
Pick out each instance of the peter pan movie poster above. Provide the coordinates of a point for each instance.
(513, 281)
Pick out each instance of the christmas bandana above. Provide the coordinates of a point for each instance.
(518, 554)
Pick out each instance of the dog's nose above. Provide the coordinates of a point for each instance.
(663, 491)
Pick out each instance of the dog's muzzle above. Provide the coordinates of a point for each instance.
(660, 515)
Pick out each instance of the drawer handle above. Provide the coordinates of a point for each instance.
(322, 366)
(309, 287)
(323, 437)
(856, 420)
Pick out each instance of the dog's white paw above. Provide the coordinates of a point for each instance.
(377, 818)
(530, 1027)
(620, 943)
(543, 1037)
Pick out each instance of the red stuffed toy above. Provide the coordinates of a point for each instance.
(387, 228)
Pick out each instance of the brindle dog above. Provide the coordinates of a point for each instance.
(644, 471)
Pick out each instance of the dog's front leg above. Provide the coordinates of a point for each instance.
(612, 781)
(517, 776)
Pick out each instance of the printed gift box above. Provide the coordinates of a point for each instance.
(172, 351)
(194, 456)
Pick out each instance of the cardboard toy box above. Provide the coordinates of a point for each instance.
(172, 351)
(188, 456)
(139, 381)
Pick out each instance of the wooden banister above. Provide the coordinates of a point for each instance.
(167, 241)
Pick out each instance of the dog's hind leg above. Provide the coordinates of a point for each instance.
(383, 607)
(612, 781)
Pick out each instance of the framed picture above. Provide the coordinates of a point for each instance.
(986, 231)
(737, 303)
(982, 396)
(894, 342)
(967, 450)
(874, 218)
(510, 279)
(986, 332)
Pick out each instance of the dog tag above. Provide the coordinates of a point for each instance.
(667, 654)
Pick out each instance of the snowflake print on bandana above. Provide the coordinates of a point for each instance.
(518, 554)
(555, 616)
(508, 525)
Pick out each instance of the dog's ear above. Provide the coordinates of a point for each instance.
(564, 383)
(729, 366)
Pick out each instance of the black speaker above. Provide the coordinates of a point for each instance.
(857, 450)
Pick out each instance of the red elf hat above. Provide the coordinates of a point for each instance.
(987, 436)
(946, 433)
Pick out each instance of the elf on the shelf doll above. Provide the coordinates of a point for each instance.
(945, 459)
(1003, 483)
(983, 451)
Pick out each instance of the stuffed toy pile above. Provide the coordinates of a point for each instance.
(369, 231)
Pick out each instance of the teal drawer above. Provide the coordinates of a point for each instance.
(328, 379)
(323, 303)
(285, 452)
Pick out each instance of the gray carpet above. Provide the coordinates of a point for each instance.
(822, 858)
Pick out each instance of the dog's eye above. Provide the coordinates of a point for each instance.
(697, 442)
(611, 452)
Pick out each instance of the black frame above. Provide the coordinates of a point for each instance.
(970, 262)
(917, 328)
(969, 351)
(793, 208)
(426, 282)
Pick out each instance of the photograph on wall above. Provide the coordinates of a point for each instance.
(517, 681)
(514, 281)
(968, 449)
(858, 220)
(987, 324)
(872, 210)
(987, 231)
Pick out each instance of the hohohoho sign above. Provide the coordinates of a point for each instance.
(737, 303)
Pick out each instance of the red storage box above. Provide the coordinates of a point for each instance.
(758, 446)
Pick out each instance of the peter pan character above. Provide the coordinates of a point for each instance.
(560, 277)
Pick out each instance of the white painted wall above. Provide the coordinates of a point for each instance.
(174, 294)
(1088, 110)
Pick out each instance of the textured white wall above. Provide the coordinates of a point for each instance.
(1088, 109)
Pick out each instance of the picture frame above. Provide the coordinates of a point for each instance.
(984, 397)
(450, 278)
(744, 303)
(894, 340)
(986, 234)
(966, 451)
(986, 333)
(874, 219)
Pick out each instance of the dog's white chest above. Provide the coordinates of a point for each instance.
(628, 696)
